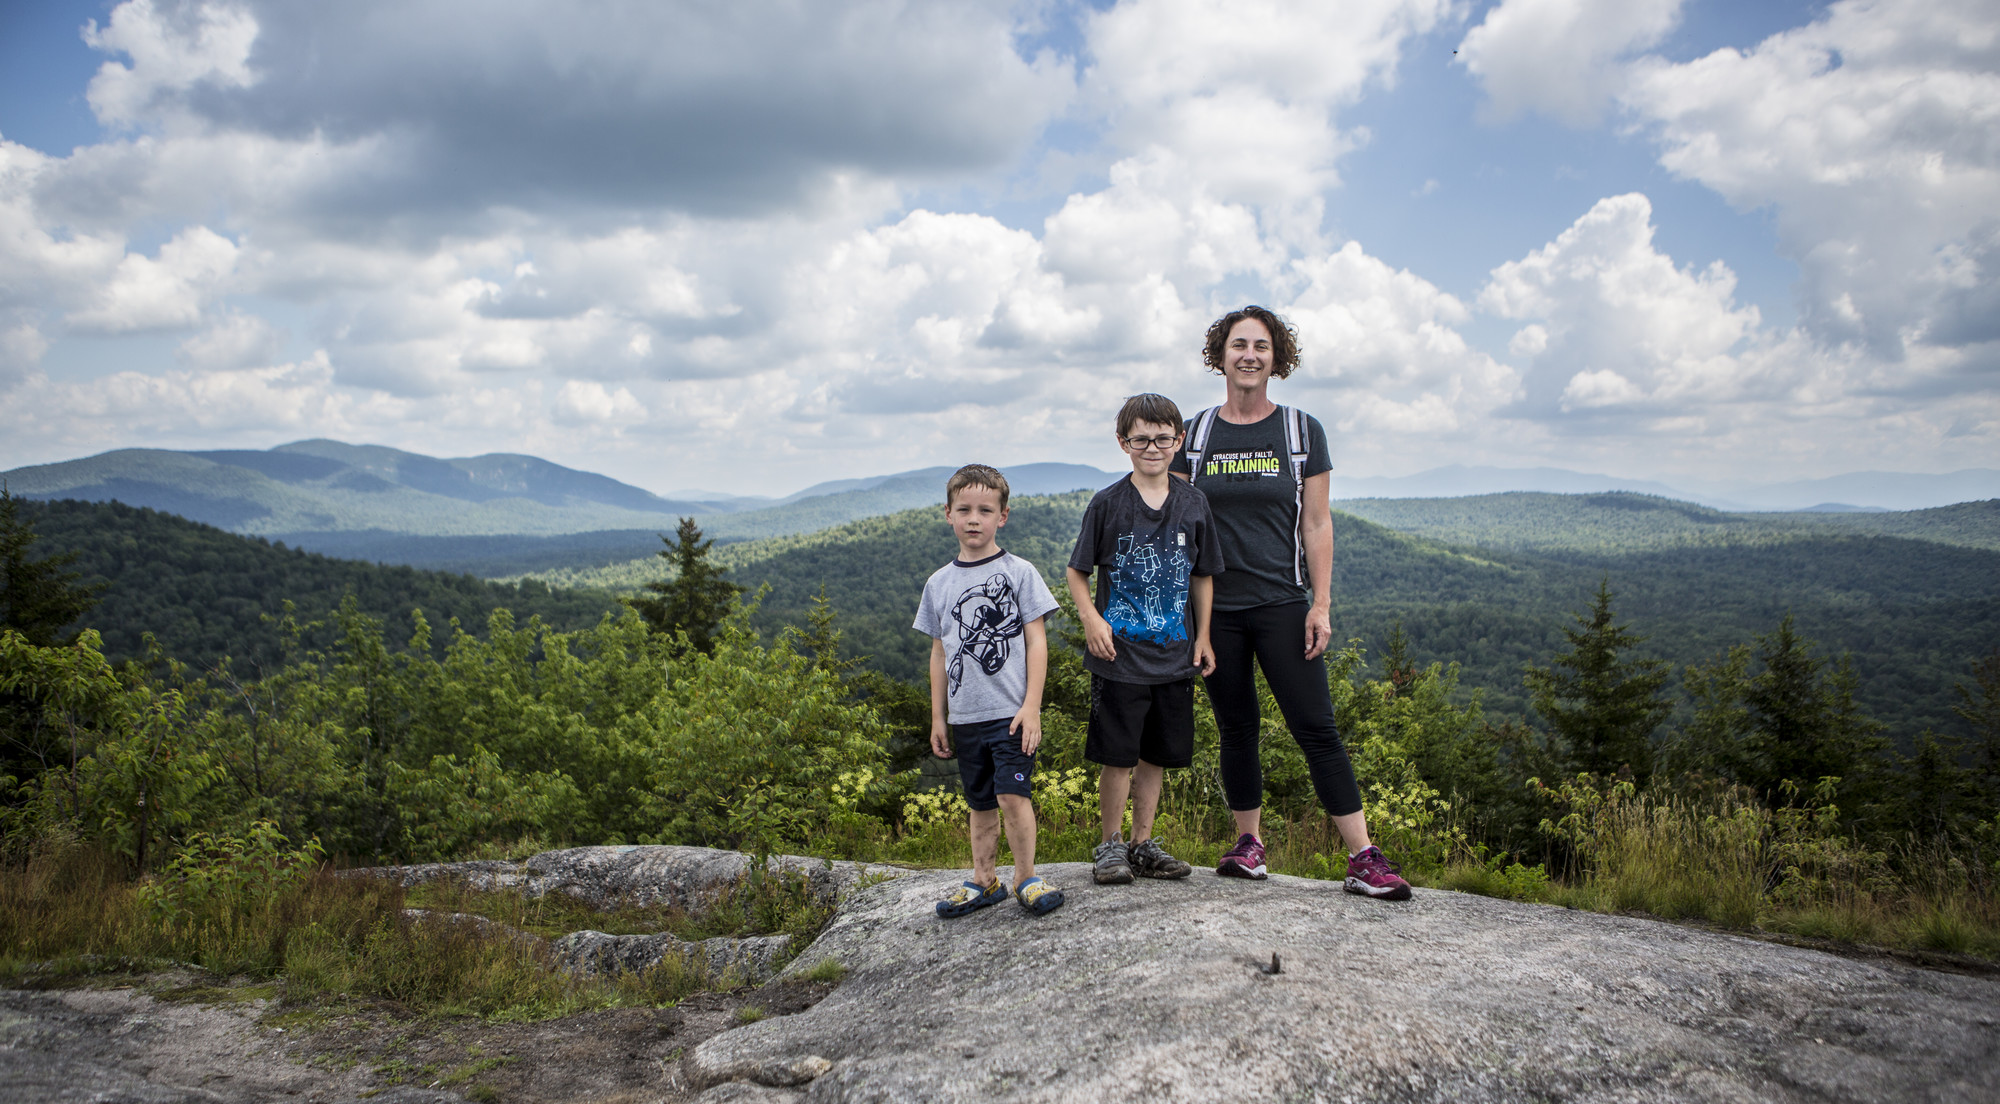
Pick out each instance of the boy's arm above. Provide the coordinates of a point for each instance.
(1201, 592)
(1028, 722)
(1097, 636)
(940, 733)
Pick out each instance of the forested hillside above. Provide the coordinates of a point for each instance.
(1913, 613)
(1625, 522)
(204, 593)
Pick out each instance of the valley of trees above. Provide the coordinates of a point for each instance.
(206, 594)
(1697, 731)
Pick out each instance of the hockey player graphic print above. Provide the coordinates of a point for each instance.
(980, 613)
(989, 620)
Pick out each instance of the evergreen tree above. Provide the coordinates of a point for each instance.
(696, 599)
(38, 599)
(1601, 706)
(1794, 719)
(1802, 710)
(1936, 793)
(1397, 666)
(823, 636)
(1980, 709)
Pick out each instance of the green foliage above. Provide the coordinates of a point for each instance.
(1602, 708)
(122, 763)
(38, 597)
(214, 876)
(696, 598)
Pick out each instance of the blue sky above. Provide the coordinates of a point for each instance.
(749, 246)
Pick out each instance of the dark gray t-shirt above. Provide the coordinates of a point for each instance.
(1247, 476)
(980, 611)
(1143, 559)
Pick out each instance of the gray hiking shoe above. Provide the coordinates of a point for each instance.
(1112, 865)
(1150, 860)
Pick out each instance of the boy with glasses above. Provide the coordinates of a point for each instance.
(1150, 541)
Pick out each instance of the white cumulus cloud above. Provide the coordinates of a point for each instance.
(1565, 58)
(163, 292)
(1869, 133)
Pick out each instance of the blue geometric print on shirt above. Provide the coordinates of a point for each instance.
(1149, 588)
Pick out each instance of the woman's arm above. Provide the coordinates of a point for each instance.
(1316, 530)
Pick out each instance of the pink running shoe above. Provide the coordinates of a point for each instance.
(1371, 874)
(1245, 860)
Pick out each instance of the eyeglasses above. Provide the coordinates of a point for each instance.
(1164, 442)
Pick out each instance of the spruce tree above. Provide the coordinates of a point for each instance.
(696, 599)
(1980, 708)
(1781, 713)
(38, 598)
(1804, 721)
(823, 637)
(1600, 705)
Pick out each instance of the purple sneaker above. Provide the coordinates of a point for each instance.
(1245, 860)
(1371, 874)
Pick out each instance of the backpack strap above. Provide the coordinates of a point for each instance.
(1297, 442)
(1197, 443)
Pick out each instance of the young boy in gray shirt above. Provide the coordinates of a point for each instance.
(989, 658)
(1151, 541)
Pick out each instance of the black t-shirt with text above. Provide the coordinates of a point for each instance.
(1247, 476)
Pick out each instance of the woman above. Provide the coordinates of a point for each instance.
(1265, 469)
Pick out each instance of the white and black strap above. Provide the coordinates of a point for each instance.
(1298, 442)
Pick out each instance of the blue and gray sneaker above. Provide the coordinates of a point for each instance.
(1111, 863)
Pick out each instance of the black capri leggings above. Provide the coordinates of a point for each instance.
(1275, 638)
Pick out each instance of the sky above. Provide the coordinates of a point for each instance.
(748, 245)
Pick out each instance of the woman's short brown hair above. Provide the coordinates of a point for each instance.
(1284, 341)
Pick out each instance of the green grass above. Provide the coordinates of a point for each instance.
(72, 913)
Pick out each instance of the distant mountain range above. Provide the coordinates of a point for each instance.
(1853, 492)
(507, 514)
(372, 502)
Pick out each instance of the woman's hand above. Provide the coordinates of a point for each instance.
(1319, 630)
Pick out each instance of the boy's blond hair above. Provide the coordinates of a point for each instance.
(976, 475)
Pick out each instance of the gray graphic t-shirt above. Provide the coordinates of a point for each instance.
(981, 610)
(1144, 559)
(1247, 475)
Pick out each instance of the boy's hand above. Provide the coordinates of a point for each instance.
(1097, 637)
(1028, 722)
(940, 741)
(1204, 656)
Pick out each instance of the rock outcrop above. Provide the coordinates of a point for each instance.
(750, 961)
(1161, 991)
(688, 878)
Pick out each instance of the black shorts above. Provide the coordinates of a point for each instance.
(1134, 721)
(990, 762)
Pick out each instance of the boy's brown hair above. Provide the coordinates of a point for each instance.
(976, 475)
(1157, 409)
